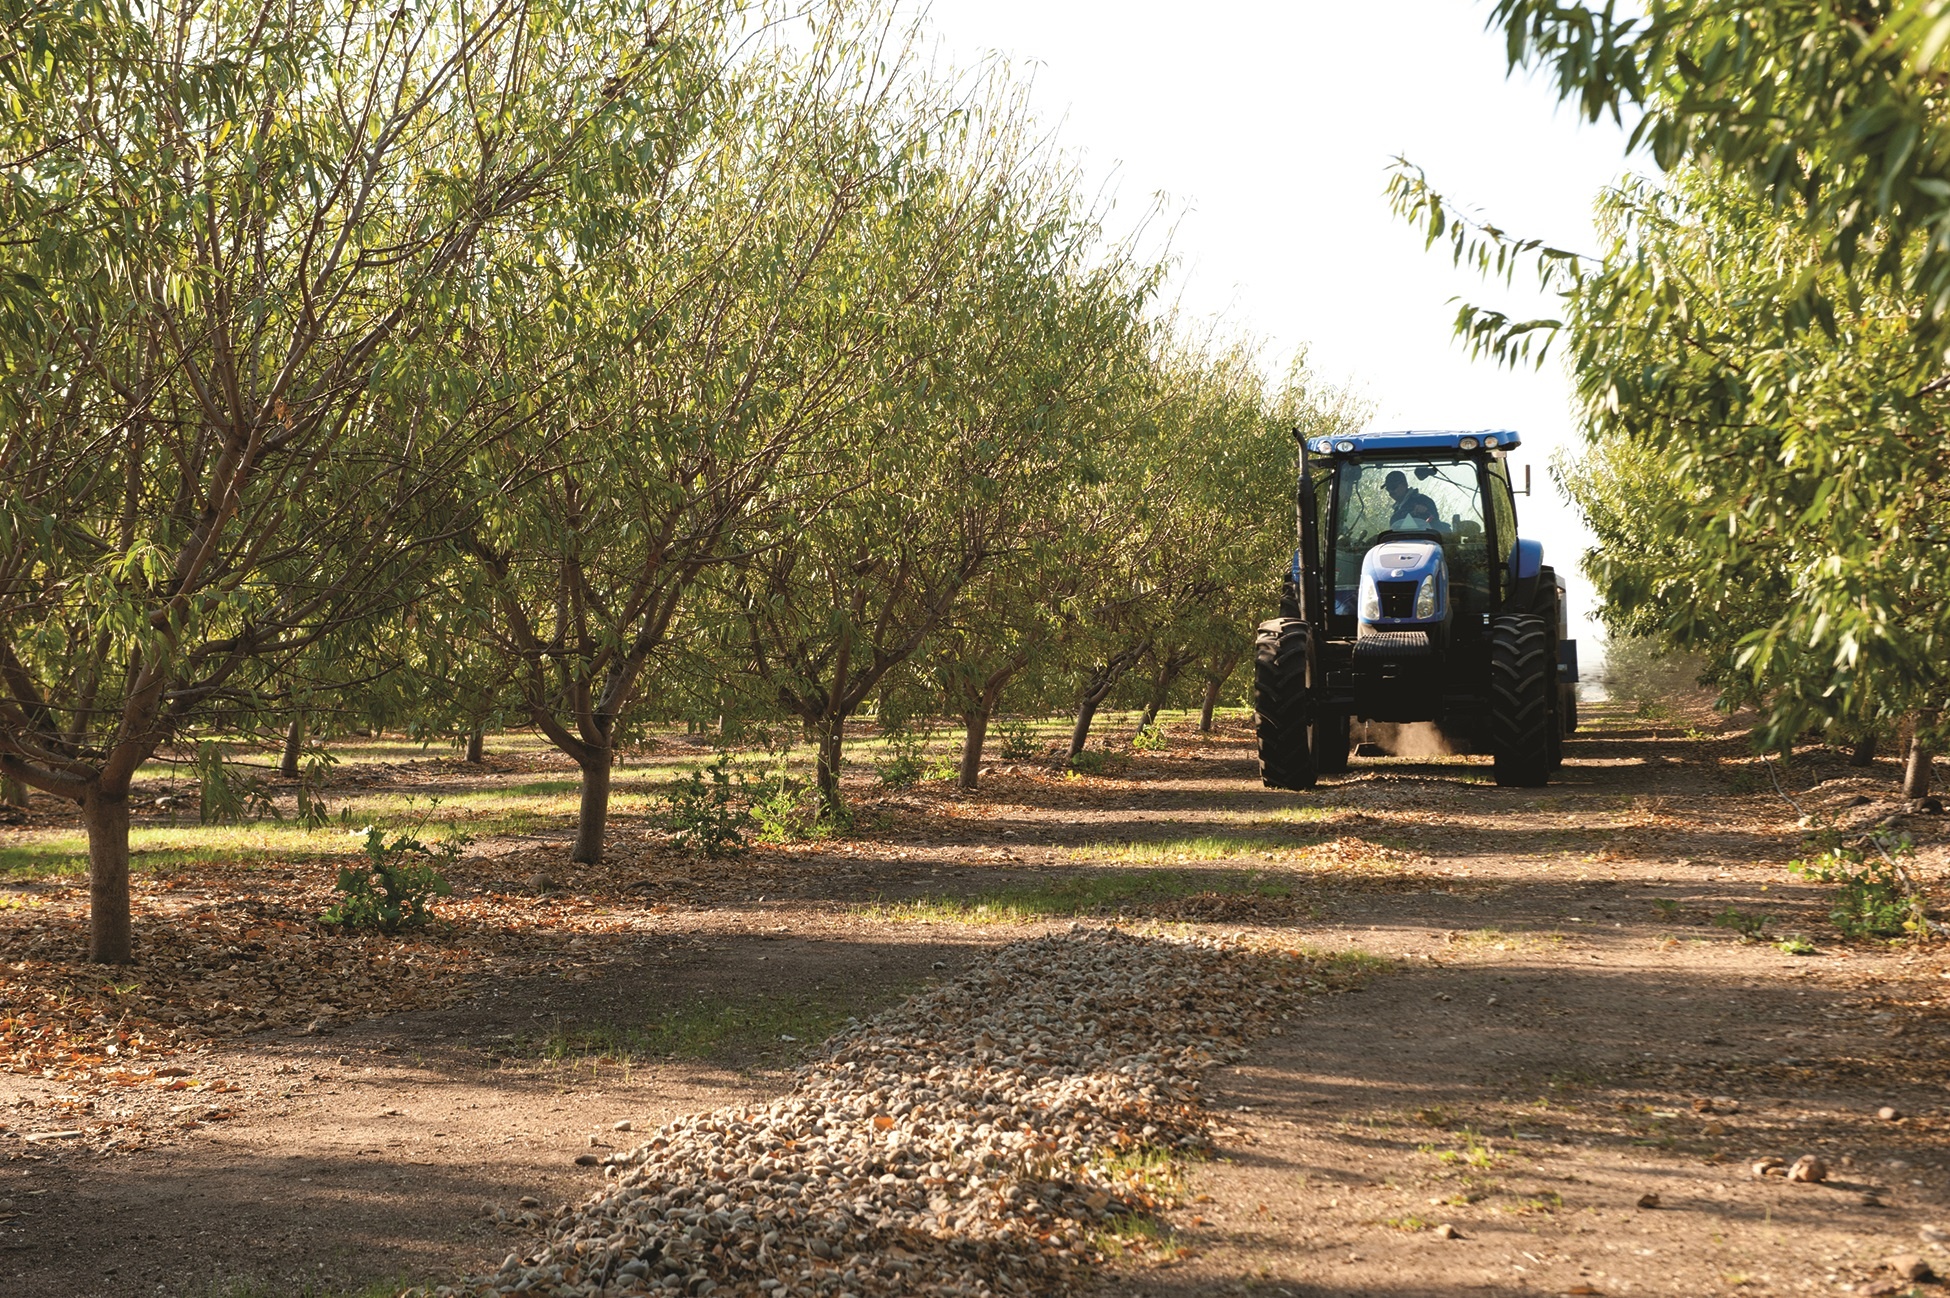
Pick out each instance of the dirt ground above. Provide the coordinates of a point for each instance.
(1559, 1083)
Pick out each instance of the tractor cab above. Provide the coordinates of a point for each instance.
(1415, 600)
(1408, 544)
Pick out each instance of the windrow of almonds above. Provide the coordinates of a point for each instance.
(979, 1139)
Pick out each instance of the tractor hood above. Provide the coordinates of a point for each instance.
(1404, 587)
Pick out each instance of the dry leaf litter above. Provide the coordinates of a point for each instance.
(965, 1143)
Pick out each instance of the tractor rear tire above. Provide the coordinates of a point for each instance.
(1333, 739)
(1283, 666)
(1522, 720)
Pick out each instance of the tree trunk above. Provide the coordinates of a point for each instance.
(1212, 688)
(592, 820)
(831, 737)
(977, 725)
(1863, 751)
(1168, 674)
(1086, 713)
(13, 792)
(1101, 684)
(1916, 771)
(105, 815)
(294, 743)
(474, 742)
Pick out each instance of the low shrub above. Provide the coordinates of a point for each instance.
(1871, 898)
(1751, 925)
(787, 810)
(704, 812)
(395, 888)
(1019, 741)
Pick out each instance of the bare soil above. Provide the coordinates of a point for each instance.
(1561, 1032)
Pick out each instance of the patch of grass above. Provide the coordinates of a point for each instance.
(1407, 1225)
(1206, 847)
(1350, 966)
(1299, 816)
(1083, 895)
(703, 1029)
(1475, 1152)
(45, 853)
(1496, 939)
(1155, 1171)
(1545, 1202)
(1146, 1237)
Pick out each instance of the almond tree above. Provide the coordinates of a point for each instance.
(1206, 495)
(239, 238)
(1023, 347)
(696, 356)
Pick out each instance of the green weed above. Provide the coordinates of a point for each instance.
(1020, 742)
(1091, 761)
(1131, 1234)
(1871, 899)
(1157, 1171)
(396, 886)
(1545, 1202)
(785, 809)
(1750, 925)
(704, 816)
(1475, 1152)
(907, 758)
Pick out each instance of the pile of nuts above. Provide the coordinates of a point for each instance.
(979, 1139)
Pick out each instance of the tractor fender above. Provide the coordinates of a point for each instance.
(1526, 562)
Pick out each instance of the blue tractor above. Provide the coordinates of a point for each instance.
(1412, 598)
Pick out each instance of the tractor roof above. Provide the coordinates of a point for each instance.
(1379, 442)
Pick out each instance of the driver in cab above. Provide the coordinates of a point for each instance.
(1414, 512)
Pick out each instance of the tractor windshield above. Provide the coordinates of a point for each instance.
(1433, 498)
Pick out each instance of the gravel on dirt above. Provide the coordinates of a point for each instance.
(977, 1139)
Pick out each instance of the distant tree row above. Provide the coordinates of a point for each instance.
(1759, 348)
(579, 366)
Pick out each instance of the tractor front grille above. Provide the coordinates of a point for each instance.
(1397, 598)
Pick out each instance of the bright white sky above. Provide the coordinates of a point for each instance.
(1269, 125)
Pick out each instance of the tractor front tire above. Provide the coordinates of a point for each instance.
(1522, 720)
(1282, 703)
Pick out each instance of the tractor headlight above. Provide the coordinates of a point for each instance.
(1370, 599)
(1425, 598)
